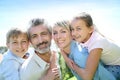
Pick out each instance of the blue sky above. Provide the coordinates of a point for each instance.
(17, 13)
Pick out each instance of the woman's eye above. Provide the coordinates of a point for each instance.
(54, 33)
(63, 31)
(24, 41)
(14, 42)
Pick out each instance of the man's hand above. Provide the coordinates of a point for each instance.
(53, 71)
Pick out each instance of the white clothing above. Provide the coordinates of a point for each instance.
(33, 68)
(111, 52)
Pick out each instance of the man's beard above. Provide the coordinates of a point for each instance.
(42, 51)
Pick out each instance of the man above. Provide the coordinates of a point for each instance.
(42, 64)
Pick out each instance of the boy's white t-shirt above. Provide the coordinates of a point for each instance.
(111, 52)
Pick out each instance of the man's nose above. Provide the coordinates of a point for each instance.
(40, 39)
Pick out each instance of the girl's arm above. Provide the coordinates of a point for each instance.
(92, 63)
(68, 61)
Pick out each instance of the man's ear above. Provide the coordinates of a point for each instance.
(91, 29)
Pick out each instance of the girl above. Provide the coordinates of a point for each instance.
(82, 68)
(99, 48)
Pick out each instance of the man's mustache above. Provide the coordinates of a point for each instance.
(42, 43)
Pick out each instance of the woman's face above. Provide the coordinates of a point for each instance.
(80, 32)
(61, 36)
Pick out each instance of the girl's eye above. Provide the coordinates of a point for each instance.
(78, 28)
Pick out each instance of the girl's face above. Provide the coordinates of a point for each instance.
(62, 37)
(80, 32)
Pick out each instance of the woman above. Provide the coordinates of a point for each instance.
(78, 56)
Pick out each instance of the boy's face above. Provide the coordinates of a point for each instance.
(18, 45)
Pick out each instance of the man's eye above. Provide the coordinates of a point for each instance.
(33, 36)
(44, 33)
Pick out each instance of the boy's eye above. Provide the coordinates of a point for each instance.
(24, 41)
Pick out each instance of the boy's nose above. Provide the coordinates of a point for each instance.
(20, 45)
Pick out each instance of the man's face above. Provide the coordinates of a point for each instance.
(40, 38)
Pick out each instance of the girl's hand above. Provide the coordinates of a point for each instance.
(68, 61)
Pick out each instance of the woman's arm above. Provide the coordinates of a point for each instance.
(92, 63)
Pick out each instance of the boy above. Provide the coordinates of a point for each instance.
(17, 43)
